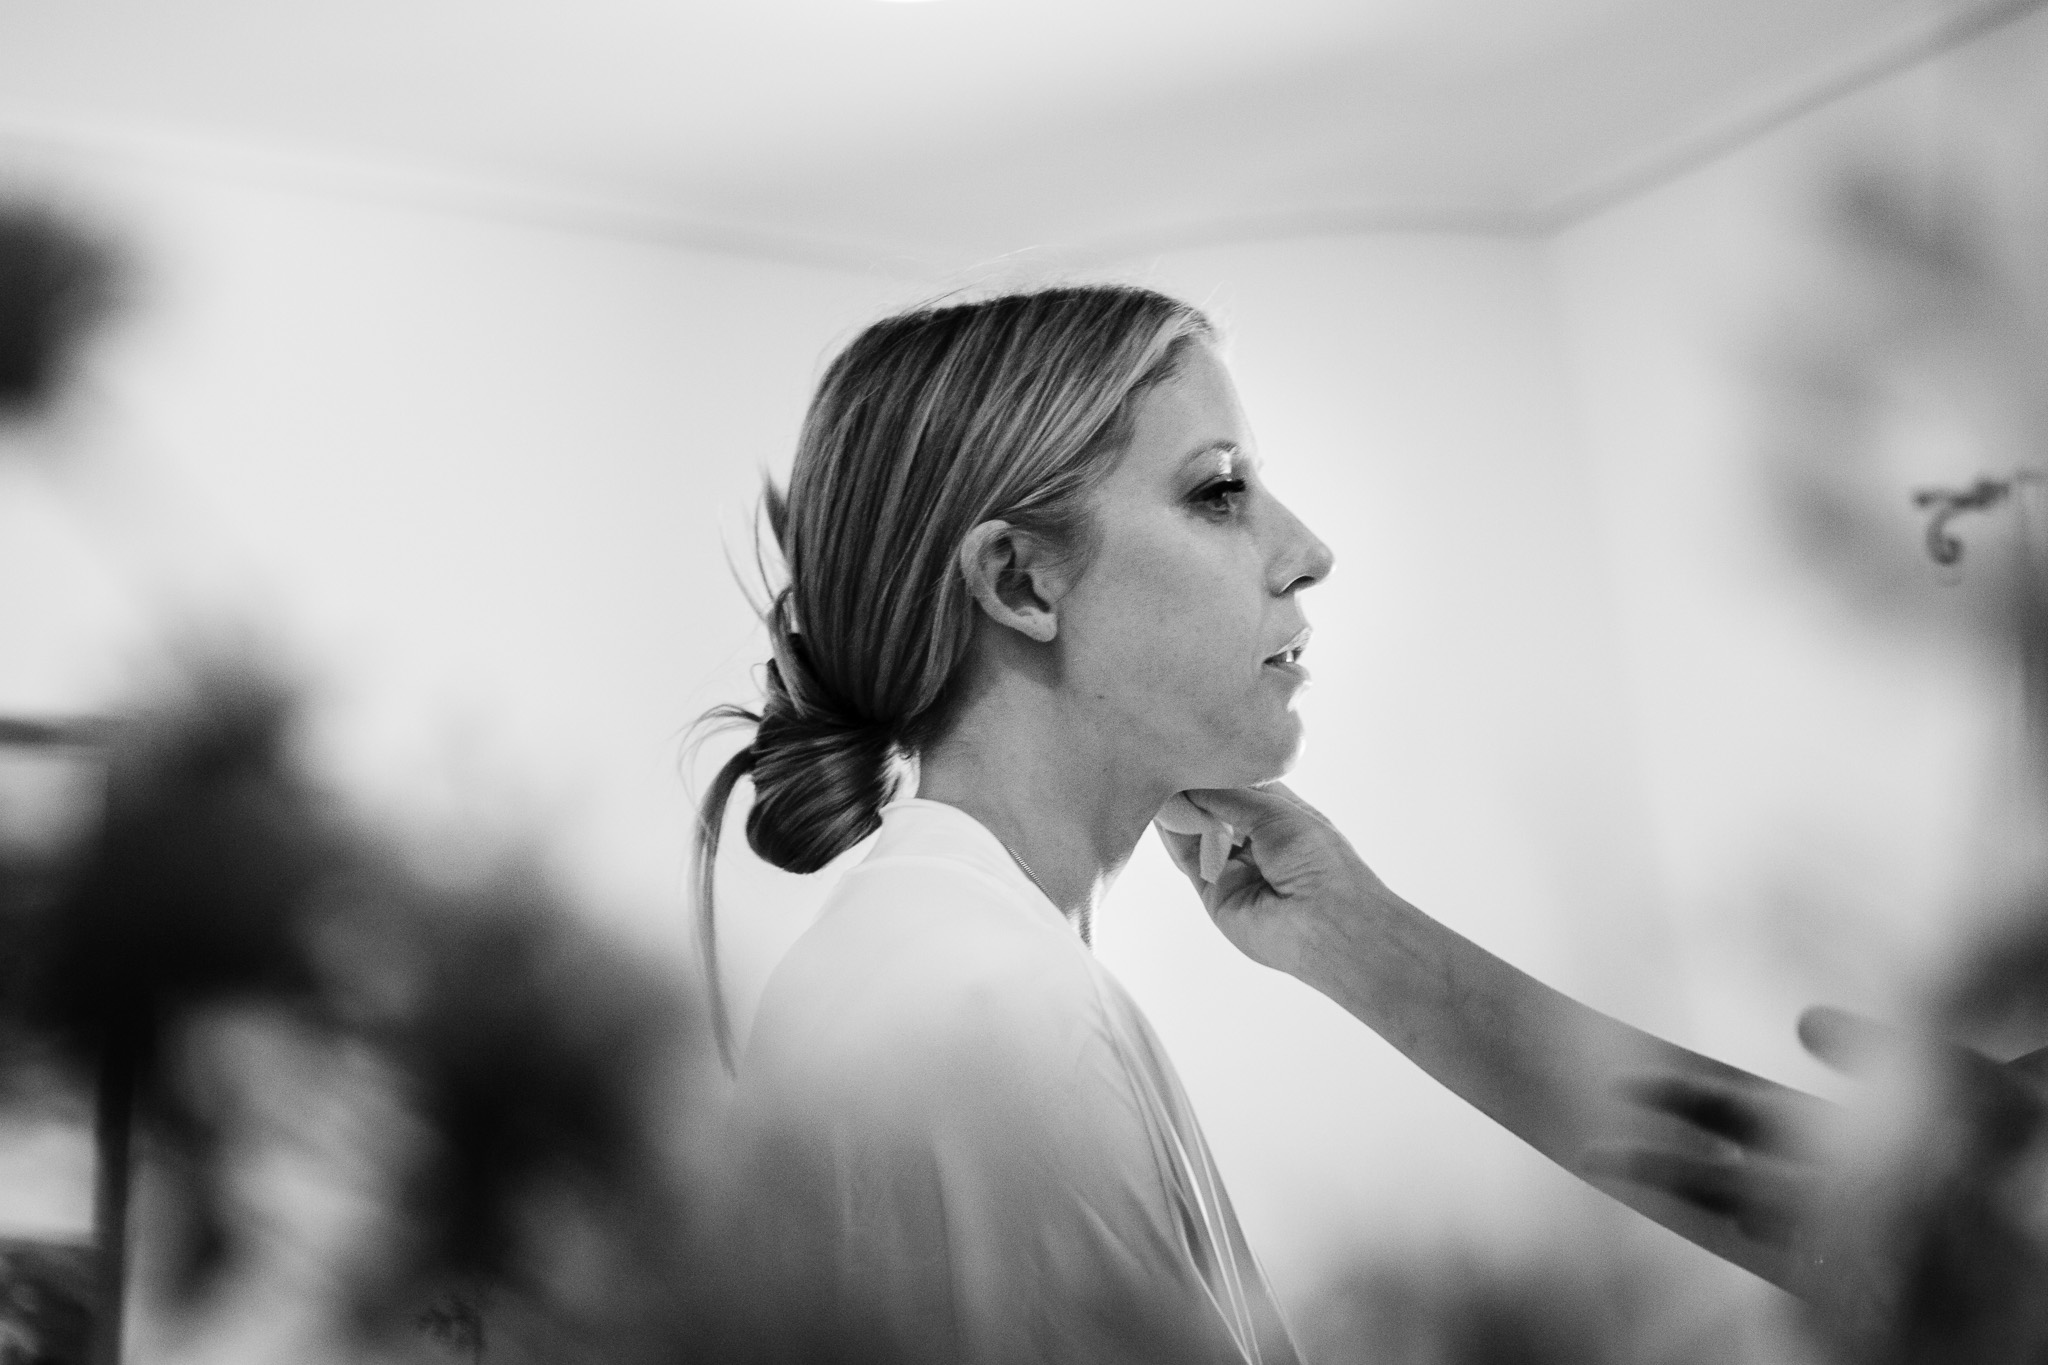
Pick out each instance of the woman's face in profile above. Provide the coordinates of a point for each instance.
(1182, 631)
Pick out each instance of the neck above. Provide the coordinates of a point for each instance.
(1029, 766)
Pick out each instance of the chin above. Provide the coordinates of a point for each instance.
(1268, 762)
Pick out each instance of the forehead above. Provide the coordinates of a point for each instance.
(1184, 418)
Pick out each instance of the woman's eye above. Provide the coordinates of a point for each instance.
(1220, 496)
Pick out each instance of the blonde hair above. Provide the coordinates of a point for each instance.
(928, 424)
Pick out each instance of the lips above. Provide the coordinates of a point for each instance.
(1289, 655)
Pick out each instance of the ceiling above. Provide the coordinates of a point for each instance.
(928, 135)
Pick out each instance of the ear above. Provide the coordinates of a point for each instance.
(1017, 577)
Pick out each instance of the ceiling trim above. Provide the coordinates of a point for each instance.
(38, 152)
(1365, 220)
(1639, 175)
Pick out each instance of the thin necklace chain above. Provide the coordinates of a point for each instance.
(1081, 926)
(1018, 858)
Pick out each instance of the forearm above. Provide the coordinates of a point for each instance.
(1545, 1067)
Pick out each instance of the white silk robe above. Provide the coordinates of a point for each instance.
(962, 1141)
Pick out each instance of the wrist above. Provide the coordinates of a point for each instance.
(1337, 939)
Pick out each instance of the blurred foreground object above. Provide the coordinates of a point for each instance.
(1944, 1197)
(1907, 437)
(1919, 1212)
(222, 909)
(46, 1294)
(1602, 1304)
(472, 1098)
(55, 284)
(1904, 373)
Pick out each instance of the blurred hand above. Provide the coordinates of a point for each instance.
(1916, 1221)
(1291, 885)
(1733, 1146)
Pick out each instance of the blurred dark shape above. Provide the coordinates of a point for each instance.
(543, 1063)
(1948, 503)
(1916, 346)
(46, 1295)
(538, 1066)
(1942, 292)
(184, 896)
(1998, 1001)
(1915, 351)
(1592, 1307)
(55, 284)
(457, 1323)
(29, 731)
(207, 853)
(1934, 1232)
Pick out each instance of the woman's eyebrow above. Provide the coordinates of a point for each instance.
(1232, 454)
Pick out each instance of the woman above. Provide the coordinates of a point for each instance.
(1028, 548)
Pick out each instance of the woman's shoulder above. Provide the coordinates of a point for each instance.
(926, 964)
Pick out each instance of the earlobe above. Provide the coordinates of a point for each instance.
(1003, 567)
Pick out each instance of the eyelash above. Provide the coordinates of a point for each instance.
(1209, 493)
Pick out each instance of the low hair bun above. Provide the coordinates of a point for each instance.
(820, 781)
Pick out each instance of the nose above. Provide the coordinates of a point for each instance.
(1302, 559)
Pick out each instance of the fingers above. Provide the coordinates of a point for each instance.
(1287, 793)
(1246, 806)
(1183, 816)
(1719, 1109)
(1762, 1201)
(1759, 1114)
(1742, 1149)
(1276, 822)
(1237, 883)
(1242, 808)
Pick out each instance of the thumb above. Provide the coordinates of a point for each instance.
(1863, 1047)
(1847, 1042)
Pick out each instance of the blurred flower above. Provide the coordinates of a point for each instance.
(542, 1068)
(226, 926)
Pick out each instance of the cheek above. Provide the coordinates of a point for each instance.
(1173, 632)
